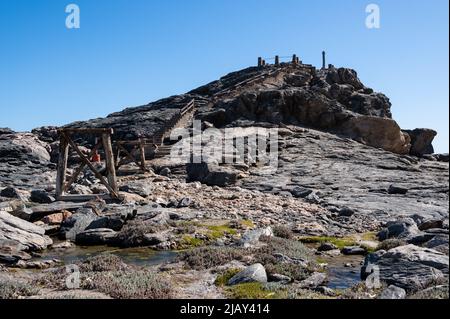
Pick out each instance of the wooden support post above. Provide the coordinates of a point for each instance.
(260, 64)
(277, 60)
(323, 59)
(62, 166)
(142, 152)
(109, 160)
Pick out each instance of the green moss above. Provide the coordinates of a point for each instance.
(339, 242)
(219, 231)
(223, 279)
(190, 242)
(251, 291)
(247, 223)
(372, 236)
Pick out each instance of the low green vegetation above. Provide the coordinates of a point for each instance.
(207, 257)
(223, 278)
(251, 291)
(338, 242)
(283, 232)
(219, 231)
(189, 241)
(13, 290)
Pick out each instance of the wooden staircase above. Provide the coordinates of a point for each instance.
(180, 119)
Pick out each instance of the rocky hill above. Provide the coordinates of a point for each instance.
(348, 179)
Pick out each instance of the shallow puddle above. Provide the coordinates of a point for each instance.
(133, 256)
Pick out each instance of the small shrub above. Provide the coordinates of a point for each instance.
(13, 290)
(389, 244)
(133, 234)
(130, 285)
(222, 279)
(283, 232)
(189, 241)
(208, 257)
(250, 291)
(103, 262)
(339, 242)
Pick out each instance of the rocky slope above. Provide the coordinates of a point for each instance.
(348, 179)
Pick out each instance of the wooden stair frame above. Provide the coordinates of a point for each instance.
(66, 141)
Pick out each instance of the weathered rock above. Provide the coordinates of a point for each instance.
(41, 197)
(114, 222)
(346, 212)
(280, 278)
(95, 237)
(11, 192)
(313, 281)
(165, 171)
(21, 147)
(18, 236)
(20, 210)
(300, 192)
(58, 218)
(421, 141)
(404, 229)
(212, 175)
(431, 223)
(140, 189)
(393, 292)
(327, 247)
(378, 132)
(77, 223)
(185, 202)
(397, 190)
(252, 237)
(254, 273)
(355, 250)
(409, 267)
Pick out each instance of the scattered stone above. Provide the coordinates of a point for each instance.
(300, 192)
(212, 175)
(252, 237)
(95, 237)
(58, 218)
(313, 281)
(11, 192)
(280, 278)
(165, 171)
(355, 250)
(41, 197)
(397, 190)
(393, 292)
(77, 223)
(409, 267)
(431, 223)
(327, 247)
(185, 202)
(346, 212)
(254, 273)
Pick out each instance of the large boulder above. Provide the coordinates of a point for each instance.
(23, 147)
(378, 132)
(77, 223)
(421, 141)
(254, 273)
(18, 236)
(96, 237)
(212, 175)
(409, 267)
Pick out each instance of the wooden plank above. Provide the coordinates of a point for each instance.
(109, 160)
(87, 130)
(85, 198)
(89, 164)
(80, 169)
(62, 166)
(142, 153)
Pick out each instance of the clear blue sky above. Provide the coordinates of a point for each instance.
(129, 53)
